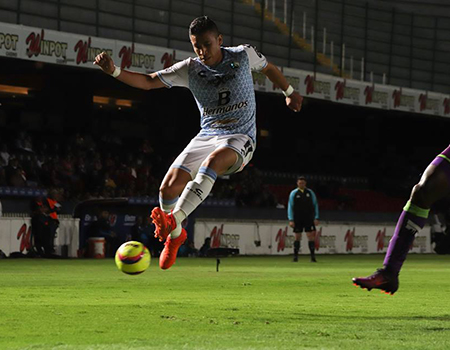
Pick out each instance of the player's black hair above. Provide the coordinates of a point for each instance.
(301, 177)
(202, 25)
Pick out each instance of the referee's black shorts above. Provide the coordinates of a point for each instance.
(304, 225)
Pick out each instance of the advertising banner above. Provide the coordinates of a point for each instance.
(348, 91)
(15, 235)
(431, 103)
(83, 49)
(78, 50)
(321, 87)
(406, 100)
(45, 46)
(375, 95)
(277, 238)
(145, 58)
(260, 82)
(11, 37)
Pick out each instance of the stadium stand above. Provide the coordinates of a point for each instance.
(403, 43)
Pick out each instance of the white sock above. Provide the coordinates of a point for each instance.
(167, 206)
(194, 193)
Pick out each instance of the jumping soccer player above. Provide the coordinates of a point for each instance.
(221, 81)
(433, 186)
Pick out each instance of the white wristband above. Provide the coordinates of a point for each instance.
(288, 91)
(116, 72)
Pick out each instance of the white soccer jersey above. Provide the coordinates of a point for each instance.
(224, 94)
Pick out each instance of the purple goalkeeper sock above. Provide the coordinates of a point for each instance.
(412, 219)
(407, 226)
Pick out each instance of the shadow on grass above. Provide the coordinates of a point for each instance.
(351, 318)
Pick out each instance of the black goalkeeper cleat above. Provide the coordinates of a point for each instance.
(381, 279)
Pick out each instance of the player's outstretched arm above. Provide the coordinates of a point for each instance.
(134, 79)
(294, 100)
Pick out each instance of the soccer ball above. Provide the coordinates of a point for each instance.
(132, 258)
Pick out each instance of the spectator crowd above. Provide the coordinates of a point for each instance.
(82, 167)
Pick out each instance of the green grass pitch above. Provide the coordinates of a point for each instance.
(252, 303)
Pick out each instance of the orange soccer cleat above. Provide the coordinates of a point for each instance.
(165, 223)
(169, 253)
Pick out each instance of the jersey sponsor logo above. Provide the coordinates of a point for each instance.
(225, 109)
(220, 123)
(218, 79)
(224, 97)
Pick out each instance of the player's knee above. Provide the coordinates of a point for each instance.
(169, 191)
(419, 195)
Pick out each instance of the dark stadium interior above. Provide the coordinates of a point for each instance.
(385, 150)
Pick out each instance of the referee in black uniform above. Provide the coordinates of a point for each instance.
(303, 215)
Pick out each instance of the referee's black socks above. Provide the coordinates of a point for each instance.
(296, 247)
(311, 245)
